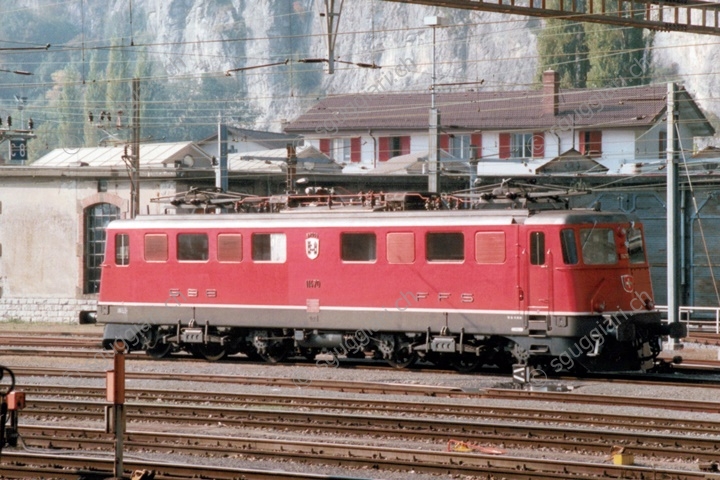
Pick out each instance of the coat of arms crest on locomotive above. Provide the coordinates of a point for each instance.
(312, 245)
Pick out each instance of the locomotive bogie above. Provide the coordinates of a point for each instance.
(463, 287)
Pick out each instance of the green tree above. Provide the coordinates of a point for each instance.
(594, 55)
(94, 101)
(562, 47)
(619, 56)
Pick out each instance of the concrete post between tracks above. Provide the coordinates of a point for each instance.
(115, 394)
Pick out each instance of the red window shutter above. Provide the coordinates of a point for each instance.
(538, 145)
(404, 145)
(582, 143)
(476, 141)
(445, 142)
(384, 149)
(355, 150)
(504, 145)
(595, 147)
(325, 146)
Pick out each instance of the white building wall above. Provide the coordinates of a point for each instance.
(618, 148)
(419, 143)
(367, 151)
(41, 253)
(647, 144)
(556, 145)
(490, 145)
(42, 238)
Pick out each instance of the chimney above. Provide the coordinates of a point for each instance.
(550, 92)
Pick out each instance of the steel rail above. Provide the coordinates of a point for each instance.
(564, 438)
(331, 385)
(359, 456)
(300, 401)
(47, 465)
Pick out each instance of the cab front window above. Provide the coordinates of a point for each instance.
(598, 246)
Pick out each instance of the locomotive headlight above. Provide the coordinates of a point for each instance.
(649, 304)
(599, 306)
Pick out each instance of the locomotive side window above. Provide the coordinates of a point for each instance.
(598, 246)
(445, 246)
(156, 247)
(490, 247)
(122, 249)
(269, 247)
(537, 248)
(400, 247)
(358, 247)
(569, 247)
(229, 247)
(192, 246)
(635, 245)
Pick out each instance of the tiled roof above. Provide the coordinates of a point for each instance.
(482, 110)
(416, 164)
(268, 140)
(274, 161)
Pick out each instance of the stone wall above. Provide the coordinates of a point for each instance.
(59, 310)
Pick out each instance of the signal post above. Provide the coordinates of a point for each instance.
(115, 413)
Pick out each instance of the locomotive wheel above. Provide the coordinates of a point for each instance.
(275, 352)
(466, 363)
(397, 351)
(253, 355)
(271, 345)
(155, 347)
(357, 354)
(402, 359)
(309, 353)
(160, 350)
(212, 352)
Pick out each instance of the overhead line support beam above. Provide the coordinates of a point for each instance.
(692, 16)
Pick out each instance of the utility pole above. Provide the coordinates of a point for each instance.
(673, 214)
(135, 157)
(434, 119)
(332, 20)
(221, 174)
(291, 169)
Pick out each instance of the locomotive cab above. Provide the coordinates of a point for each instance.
(590, 292)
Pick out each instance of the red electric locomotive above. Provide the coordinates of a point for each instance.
(567, 289)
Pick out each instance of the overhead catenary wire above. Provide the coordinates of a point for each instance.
(514, 23)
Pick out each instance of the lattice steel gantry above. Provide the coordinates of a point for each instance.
(692, 16)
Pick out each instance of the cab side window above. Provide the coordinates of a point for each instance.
(537, 248)
(122, 249)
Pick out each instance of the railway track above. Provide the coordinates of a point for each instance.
(19, 464)
(381, 388)
(328, 385)
(639, 437)
(300, 403)
(347, 455)
(293, 415)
